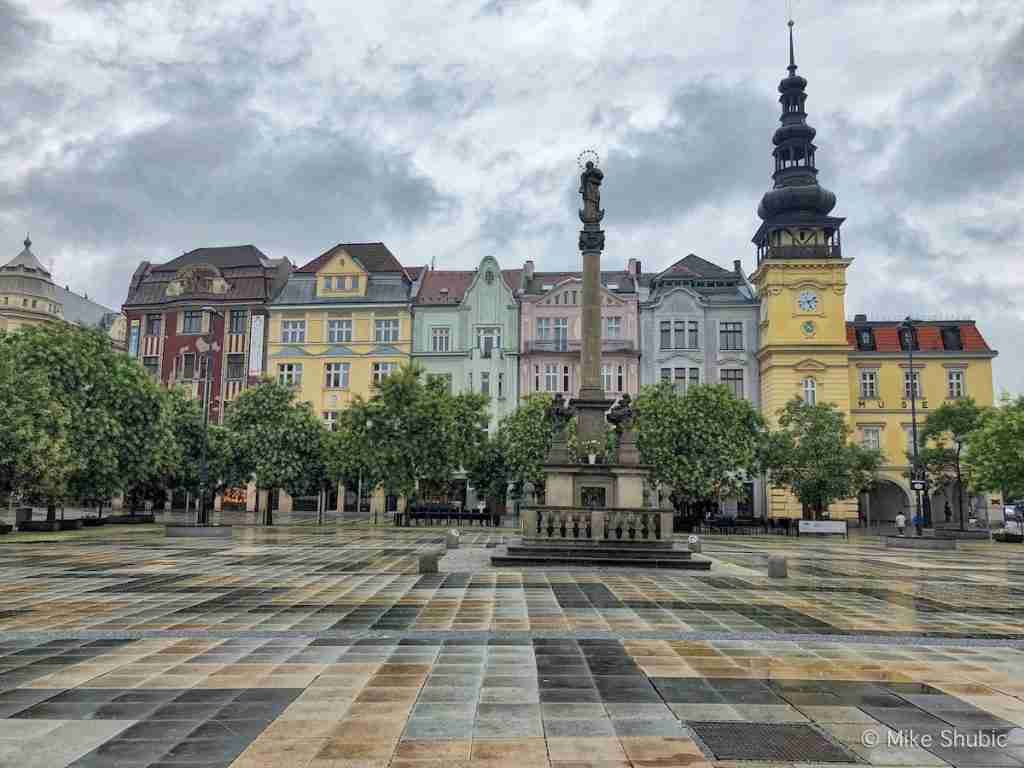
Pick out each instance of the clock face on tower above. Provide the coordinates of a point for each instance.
(808, 301)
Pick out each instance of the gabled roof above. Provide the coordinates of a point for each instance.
(415, 273)
(694, 266)
(929, 335)
(222, 257)
(375, 257)
(619, 278)
(444, 286)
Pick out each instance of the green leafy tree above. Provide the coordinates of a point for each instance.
(811, 453)
(113, 408)
(525, 439)
(35, 456)
(995, 450)
(488, 470)
(277, 442)
(423, 433)
(703, 445)
(943, 439)
(351, 452)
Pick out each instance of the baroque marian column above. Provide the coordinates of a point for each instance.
(591, 405)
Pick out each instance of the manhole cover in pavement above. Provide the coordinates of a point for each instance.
(770, 741)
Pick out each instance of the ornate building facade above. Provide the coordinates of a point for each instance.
(466, 329)
(28, 296)
(807, 348)
(550, 331)
(170, 332)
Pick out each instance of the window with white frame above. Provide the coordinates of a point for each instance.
(336, 375)
(868, 384)
(237, 323)
(730, 336)
(385, 330)
(152, 365)
(485, 383)
(154, 324)
(871, 438)
(733, 379)
(293, 331)
(536, 378)
(543, 328)
(613, 327)
(666, 375)
(289, 374)
(339, 331)
(501, 385)
(550, 377)
(810, 391)
(382, 370)
(440, 339)
(955, 383)
(331, 420)
(620, 380)
(561, 328)
(911, 379)
(606, 377)
(487, 340)
(187, 368)
(679, 334)
(692, 335)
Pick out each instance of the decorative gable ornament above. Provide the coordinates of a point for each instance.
(199, 278)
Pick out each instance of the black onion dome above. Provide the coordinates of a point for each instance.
(796, 190)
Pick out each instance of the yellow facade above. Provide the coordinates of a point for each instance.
(803, 349)
(360, 349)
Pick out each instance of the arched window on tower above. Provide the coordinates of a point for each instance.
(810, 391)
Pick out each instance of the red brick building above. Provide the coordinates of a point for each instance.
(168, 331)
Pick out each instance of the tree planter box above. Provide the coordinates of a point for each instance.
(92, 522)
(39, 526)
(5, 528)
(70, 525)
(147, 517)
(198, 531)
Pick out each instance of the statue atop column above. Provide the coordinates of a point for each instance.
(590, 188)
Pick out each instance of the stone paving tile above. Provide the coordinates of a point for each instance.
(362, 663)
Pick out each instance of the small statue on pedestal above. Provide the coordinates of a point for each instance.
(621, 414)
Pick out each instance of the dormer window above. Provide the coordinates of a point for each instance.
(951, 340)
(908, 340)
(866, 340)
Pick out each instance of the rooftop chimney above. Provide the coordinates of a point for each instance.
(528, 269)
(631, 266)
(860, 318)
(736, 267)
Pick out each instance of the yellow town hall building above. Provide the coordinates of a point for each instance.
(808, 349)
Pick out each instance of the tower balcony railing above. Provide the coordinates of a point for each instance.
(831, 251)
(575, 345)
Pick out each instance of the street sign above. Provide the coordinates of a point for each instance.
(918, 485)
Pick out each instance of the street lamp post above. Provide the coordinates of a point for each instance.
(202, 516)
(359, 500)
(915, 478)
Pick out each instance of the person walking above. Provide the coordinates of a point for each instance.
(918, 524)
(901, 523)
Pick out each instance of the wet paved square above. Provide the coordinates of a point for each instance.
(295, 647)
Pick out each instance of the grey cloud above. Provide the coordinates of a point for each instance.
(19, 33)
(707, 151)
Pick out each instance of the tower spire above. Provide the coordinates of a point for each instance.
(792, 57)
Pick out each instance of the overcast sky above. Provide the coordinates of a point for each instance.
(449, 129)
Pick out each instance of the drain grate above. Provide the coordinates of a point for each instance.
(770, 741)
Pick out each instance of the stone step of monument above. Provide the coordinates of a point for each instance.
(629, 544)
(598, 560)
(599, 555)
(614, 550)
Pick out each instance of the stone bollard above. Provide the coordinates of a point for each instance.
(428, 563)
(776, 567)
(451, 539)
(693, 543)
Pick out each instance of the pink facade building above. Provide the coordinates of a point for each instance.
(551, 304)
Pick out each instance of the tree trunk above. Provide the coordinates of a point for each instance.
(959, 489)
(51, 512)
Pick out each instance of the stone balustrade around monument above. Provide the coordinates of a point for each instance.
(585, 524)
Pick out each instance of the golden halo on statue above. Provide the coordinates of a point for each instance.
(588, 155)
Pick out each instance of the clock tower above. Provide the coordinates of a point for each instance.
(800, 280)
